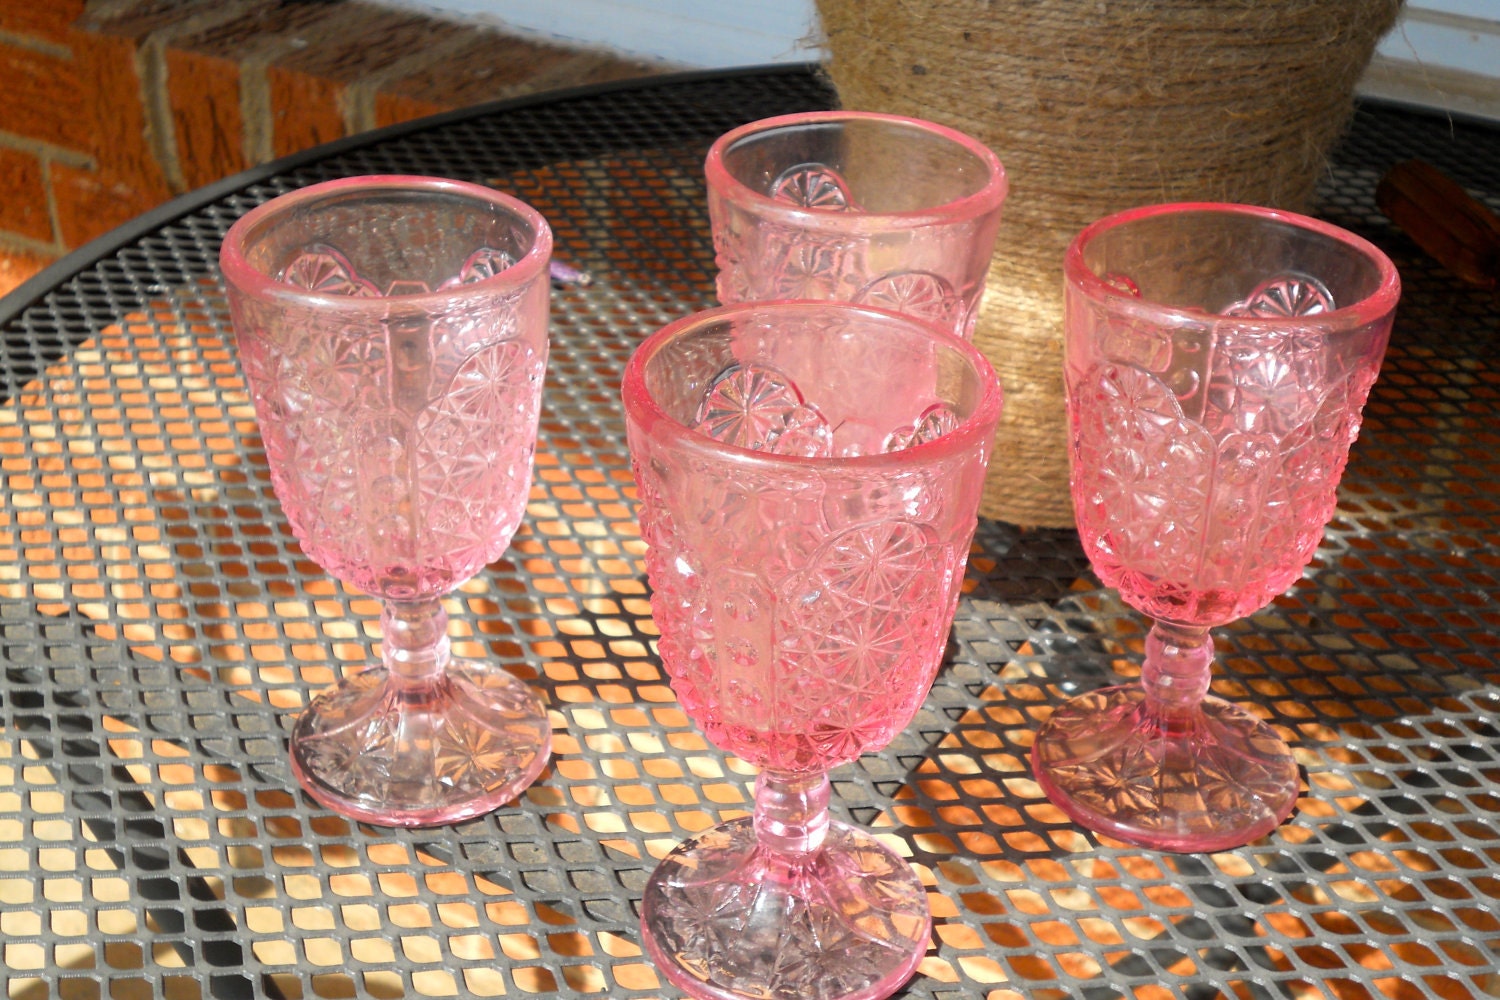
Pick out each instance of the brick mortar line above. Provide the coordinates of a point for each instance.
(316, 36)
(257, 110)
(46, 154)
(257, 127)
(34, 44)
(13, 242)
(359, 111)
(161, 134)
(49, 189)
(156, 84)
(46, 151)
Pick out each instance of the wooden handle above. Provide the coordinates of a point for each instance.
(1444, 220)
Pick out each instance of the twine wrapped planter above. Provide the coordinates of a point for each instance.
(1095, 106)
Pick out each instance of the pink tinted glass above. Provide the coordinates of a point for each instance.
(886, 211)
(393, 332)
(809, 475)
(1217, 358)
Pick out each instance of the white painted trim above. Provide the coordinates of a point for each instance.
(1432, 87)
(1447, 40)
(689, 33)
(1442, 54)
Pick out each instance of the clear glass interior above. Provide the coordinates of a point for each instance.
(1208, 260)
(391, 234)
(890, 166)
(861, 370)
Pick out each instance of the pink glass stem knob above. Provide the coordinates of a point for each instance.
(416, 649)
(791, 812)
(421, 739)
(1175, 675)
(786, 904)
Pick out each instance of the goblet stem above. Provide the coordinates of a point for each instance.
(1162, 763)
(423, 739)
(791, 812)
(416, 650)
(787, 903)
(1175, 676)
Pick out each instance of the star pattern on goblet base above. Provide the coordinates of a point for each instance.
(396, 755)
(1214, 780)
(724, 918)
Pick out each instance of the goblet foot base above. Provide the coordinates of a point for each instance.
(1215, 780)
(723, 918)
(409, 755)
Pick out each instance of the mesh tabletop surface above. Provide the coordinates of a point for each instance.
(161, 629)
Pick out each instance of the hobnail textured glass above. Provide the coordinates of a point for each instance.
(1217, 359)
(808, 476)
(885, 211)
(393, 331)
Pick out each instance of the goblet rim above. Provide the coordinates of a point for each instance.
(240, 273)
(989, 198)
(978, 427)
(1379, 303)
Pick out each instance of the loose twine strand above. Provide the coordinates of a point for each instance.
(1095, 106)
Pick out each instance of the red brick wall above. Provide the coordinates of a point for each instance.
(109, 107)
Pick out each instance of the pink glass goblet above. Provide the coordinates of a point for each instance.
(1217, 360)
(886, 211)
(809, 475)
(393, 331)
